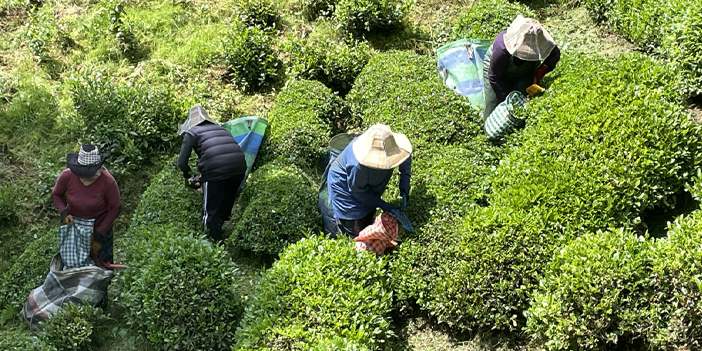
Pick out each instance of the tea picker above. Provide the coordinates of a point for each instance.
(517, 60)
(356, 179)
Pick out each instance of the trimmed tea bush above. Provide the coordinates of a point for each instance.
(279, 208)
(676, 306)
(167, 200)
(401, 89)
(182, 294)
(75, 327)
(336, 64)
(487, 18)
(670, 30)
(370, 16)
(320, 293)
(11, 340)
(314, 9)
(258, 13)
(594, 293)
(250, 57)
(133, 122)
(301, 122)
(28, 271)
(584, 159)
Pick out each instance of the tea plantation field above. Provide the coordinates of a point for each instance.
(582, 231)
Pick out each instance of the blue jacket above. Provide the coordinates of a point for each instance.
(355, 190)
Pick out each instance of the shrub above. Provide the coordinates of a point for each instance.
(300, 122)
(313, 9)
(676, 306)
(320, 292)
(167, 200)
(28, 271)
(8, 206)
(133, 122)
(258, 13)
(583, 157)
(75, 327)
(370, 16)
(183, 293)
(487, 18)
(11, 340)
(279, 208)
(30, 115)
(250, 57)
(401, 89)
(671, 31)
(593, 293)
(336, 64)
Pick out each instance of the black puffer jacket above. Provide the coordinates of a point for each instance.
(219, 155)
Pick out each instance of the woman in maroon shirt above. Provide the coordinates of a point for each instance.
(87, 190)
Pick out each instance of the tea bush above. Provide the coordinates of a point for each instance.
(258, 13)
(583, 157)
(75, 327)
(180, 291)
(314, 9)
(134, 122)
(250, 57)
(676, 305)
(8, 206)
(671, 30)
(370, 16)
(301, 122)
(320, 293)
(594, 293)
(487, 18)
(11, 340)
(279, 208)
(28, 271)
(336, 64)
(401, 89)
(30, 115)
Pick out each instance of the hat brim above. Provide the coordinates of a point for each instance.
(362, 152)
(84, 171)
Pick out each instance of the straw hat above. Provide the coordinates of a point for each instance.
(380, 148)
(196, 115)
(86, 162)
(528, 40)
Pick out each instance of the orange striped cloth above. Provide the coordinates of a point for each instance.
(383, 233)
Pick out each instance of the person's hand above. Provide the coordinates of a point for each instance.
(404, 220)
(405, 198)
(540, 73)
(68, 220)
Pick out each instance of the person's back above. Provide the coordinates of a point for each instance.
(219, 155)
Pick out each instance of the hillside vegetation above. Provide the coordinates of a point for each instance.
(580, 231)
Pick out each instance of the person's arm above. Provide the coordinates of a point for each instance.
(405, 174)
(498, 64)
(114, 204)
(185, 150)
(553, 59)
(358, 187)
(58, 193)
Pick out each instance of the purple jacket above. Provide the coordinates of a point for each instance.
(500, 60)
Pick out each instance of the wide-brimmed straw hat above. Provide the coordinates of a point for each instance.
(380, 148)
(196, 115)
(87, 161)
(528, 40)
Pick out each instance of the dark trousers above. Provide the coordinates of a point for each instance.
(219, 197)
(352, 227)
(104, 247)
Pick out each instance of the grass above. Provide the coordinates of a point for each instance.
(180, 46)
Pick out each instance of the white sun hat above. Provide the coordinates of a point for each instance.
(528, 40)
(380, 148)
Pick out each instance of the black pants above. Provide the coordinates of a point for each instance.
(352, 227)
(219, 197)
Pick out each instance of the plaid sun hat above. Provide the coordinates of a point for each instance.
(87, 161)
(196, 115)
(380, 148)
(528, 40)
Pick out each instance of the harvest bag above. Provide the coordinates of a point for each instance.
(383, 233)
(248, 133)
(84, 284)
(502, 120)
(460, 65)
(74, 243)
